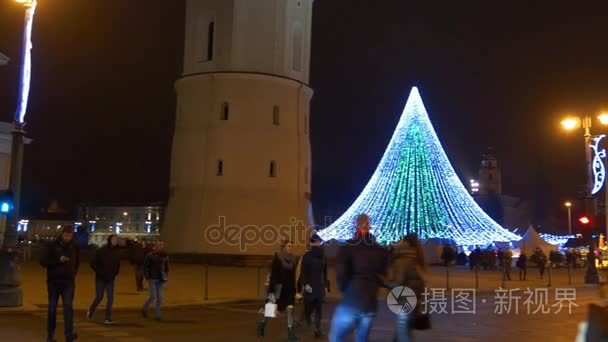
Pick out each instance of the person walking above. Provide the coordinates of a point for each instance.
(61, 259)
(541, 261)
(137, 255)
(106, 264)
(360, 269)
(282, 287)
(522, 264)
(156, 271)
(407, 267)
(507, 260)
(314, 283)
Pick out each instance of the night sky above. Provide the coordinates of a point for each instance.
(102, 103)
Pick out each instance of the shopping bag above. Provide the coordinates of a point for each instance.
(270, 310)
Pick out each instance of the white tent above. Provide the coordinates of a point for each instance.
(531, 241)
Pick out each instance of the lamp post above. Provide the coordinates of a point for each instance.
(568, 206)
(11, 293)
(592, 142)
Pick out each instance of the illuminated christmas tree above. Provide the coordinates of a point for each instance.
(416, 190)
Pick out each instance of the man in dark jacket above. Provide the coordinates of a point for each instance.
(156, 271)
(360, 269)
(137, 254)
(314, 282)
(61, 259)
(106, 264)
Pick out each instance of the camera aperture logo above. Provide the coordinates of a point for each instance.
(401, 300)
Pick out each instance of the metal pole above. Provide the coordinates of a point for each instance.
(570, 220)
(206, 282)
(606, 200)
(476, 277)
(588, 157)
(569, 273)
(11, 236)
(259, 280)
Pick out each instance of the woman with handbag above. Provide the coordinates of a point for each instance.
(407, 269)
(282, 287)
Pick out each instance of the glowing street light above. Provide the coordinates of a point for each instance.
(571, 123)
(603, 118)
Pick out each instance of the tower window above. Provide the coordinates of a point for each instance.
(225, 111)
(273, 169)
(210, 40)
(220, 167)
(276, 116)
(296, 63)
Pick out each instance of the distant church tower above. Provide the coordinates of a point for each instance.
(241, 150)
(490, 178)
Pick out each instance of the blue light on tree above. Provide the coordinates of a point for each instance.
(416, 190)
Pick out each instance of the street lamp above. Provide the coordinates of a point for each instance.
(10, 283)
(568, 206)
(595, 179)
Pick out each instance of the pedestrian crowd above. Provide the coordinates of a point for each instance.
(61, 259)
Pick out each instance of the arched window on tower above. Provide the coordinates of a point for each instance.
(273, 169)
(225, 111)
(297, 41)
(276, 120)
(210, 40)
(220, 167)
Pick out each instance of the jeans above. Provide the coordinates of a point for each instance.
(156, 294)
(403, 328)
(139, 276)
(313, 306)
(346, 319)
(102, 286)
(65, 290)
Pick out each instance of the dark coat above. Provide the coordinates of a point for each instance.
(360, 268)
(106, 262)
(156, 266)
(314, 274)
(137, 254)
(57, 271)
(285, 279)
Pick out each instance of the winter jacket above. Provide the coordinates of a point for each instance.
(283, 282)
(360, 268)
(156, 266)
(106, 262)
(314, 274)
(137, 254)
(57, 271)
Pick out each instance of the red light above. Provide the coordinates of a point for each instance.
(584, 220)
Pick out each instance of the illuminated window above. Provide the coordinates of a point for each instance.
(273, 169)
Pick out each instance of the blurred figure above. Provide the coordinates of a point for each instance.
(314, 283)
(282, 287)
(522, 264)
(406, 269)
(137, 255)
(360, 266)
(106, 264)
(61, 260)
(475, 258)
(156, 271)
